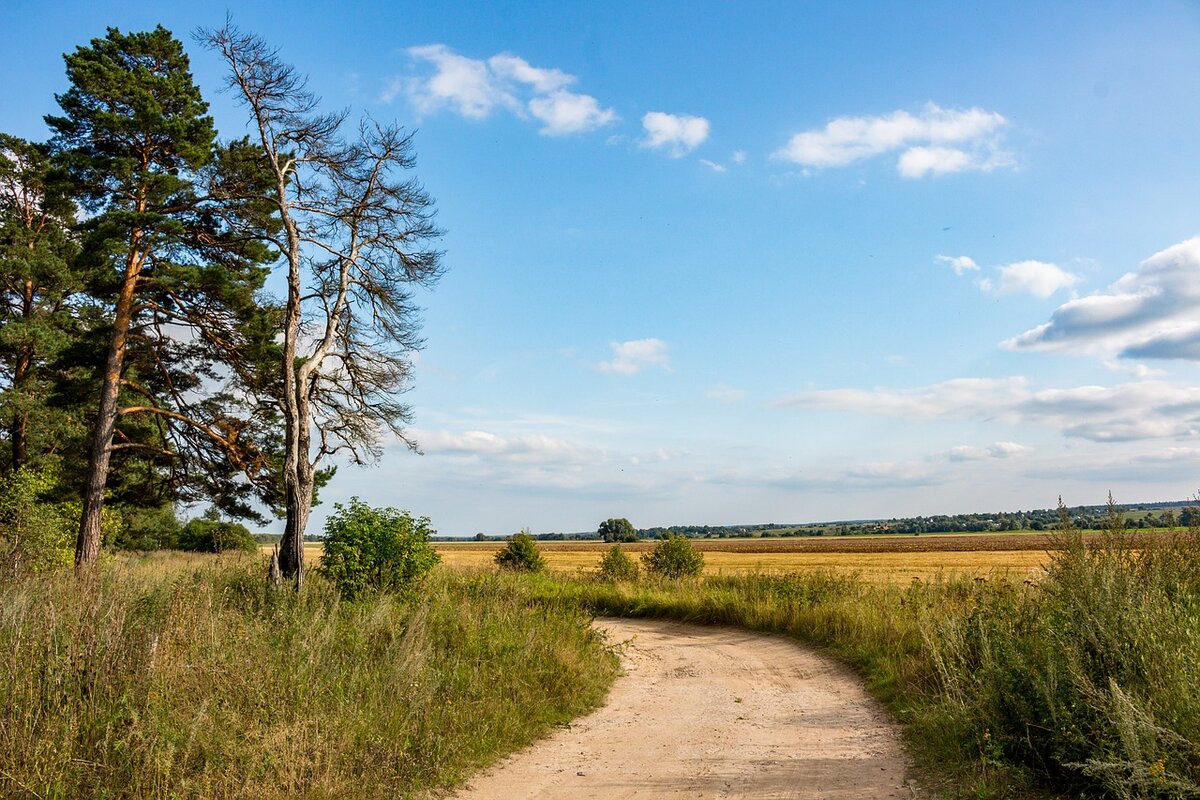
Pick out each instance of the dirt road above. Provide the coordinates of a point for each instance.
(713, 712)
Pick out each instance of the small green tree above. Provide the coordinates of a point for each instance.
(617, 530)
(521, 554)
(35, 535)
(375, 549)
(674, 557)
(211, 534)
(616, 566)
(146, 529)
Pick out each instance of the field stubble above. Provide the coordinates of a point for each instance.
(877, 559)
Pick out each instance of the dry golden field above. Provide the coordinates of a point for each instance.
(895, 558)
(881, 559)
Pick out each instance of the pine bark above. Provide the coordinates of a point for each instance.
(87, 543)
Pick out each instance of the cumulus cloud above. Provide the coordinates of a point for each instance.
(676, 134)
(565, 112)
(960, 264)
(935, 141)
(635, 355)
(1152, 312)
(522, 448)
(997, 450)
(544, 81)
(476, 88)
(714, 166)
(1126, 412)
(917, 162)
(1038, 278)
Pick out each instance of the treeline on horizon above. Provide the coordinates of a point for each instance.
(1161, 514)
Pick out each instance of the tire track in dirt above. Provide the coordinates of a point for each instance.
(713, 712)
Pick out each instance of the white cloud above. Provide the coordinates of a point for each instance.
(997, 450)
(959, 264)
(475, 88)
(958, 398)
(635, 355)
(714, 166)
(1038, 278)
(917, 162)
(725, 395)
(543, 81)
(525, 448)
(1153, 312)
(565, 112)
(465, 85)
(1126, 412)
(935, 141)
(677, 134)
(738, 157)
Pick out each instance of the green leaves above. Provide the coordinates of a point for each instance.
(375, 549)
(674, 557)
(521, 554)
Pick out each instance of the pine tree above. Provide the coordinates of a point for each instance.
(174, 272)
(37, 286)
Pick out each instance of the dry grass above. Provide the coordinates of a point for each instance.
(183, 676)
(879, 561)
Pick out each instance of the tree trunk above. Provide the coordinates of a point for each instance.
(297, 470)
(87, 544)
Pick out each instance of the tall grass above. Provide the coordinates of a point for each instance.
(1085, 683)
(178, 676)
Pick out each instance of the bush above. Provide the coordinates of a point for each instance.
(213, 535)
(617, 530)
(521, 554)
(1091, 678)
(35, 535)
(375, 549)
(616, 566)
(147, 529)
(674, 557)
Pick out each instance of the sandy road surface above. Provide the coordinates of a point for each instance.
(713, 712)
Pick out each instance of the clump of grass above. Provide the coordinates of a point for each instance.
(182, 676)
(1091, 678)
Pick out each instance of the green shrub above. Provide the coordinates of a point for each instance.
(617, 566)
(1090, 679)
(674, 557)
(213, 535)
(35, 535)
(375, 549)
(521, 554)
(145, 529)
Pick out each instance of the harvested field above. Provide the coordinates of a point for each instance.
(884, 559)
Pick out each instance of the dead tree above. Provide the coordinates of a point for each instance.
(355, 241)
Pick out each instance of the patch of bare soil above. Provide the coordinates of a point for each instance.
(713, 712)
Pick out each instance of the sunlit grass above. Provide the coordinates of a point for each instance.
(175, 676)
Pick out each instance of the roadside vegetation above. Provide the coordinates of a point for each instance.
(1085, 683)
(184, 676)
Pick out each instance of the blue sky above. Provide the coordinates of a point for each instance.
(726, 263)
